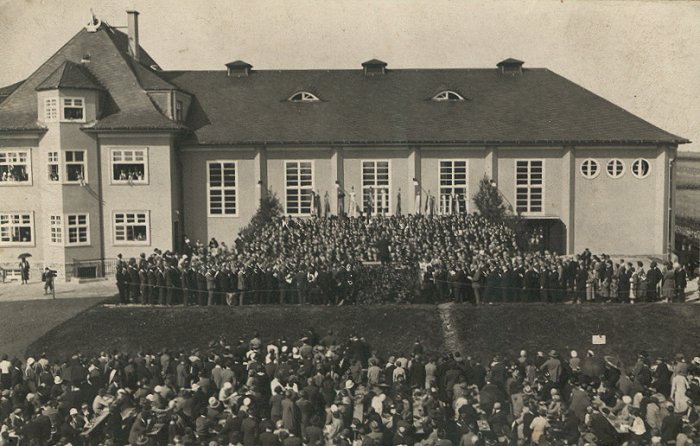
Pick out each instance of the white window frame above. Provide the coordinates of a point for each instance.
(56, 230)
(303, 96)
(77, 226)
(448, 96)
(28, 164)
(67, 163)
(54, 159)
(363, 186)
(299, 188)
(615, 176)
(64, 106)
(223, 189)
(116, 242)
(121, 151)
(587, 175)
(446, 210)
(529, 186)
(21, 214)
(641, 160)
(51, 109)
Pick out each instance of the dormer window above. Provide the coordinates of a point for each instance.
(303, 96)
(73, 109)
(447, 95)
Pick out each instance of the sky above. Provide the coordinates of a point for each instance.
(641, 55)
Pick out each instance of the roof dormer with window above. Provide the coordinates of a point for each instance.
(448, 96)
(303, 96)
(68, 95)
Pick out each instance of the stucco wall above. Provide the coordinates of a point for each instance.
(156, 197)
(197, 225)
(619, 215)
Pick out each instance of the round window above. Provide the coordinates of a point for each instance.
(616, 168)
(590, 168)
(641, 168)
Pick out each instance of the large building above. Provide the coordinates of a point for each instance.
(103, 152)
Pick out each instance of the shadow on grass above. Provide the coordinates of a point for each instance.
(388, 328)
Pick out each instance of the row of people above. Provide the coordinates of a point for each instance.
(333, 391)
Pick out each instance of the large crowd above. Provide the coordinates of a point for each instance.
(323, 390)
(464, 258)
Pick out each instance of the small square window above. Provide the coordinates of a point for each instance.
(73, 109)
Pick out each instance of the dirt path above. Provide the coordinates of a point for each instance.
(448, 332)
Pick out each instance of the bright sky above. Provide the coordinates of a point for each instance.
(641, 55)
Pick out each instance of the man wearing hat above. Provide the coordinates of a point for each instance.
(553, 367)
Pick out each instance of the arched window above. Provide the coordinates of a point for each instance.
(616, 168)
(447, 95)
(303, 96)
(590, 168)
(641, 168)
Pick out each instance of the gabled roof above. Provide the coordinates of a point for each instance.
(149, 78)
(534, 107)
(69, 75)
(126, 104)
(7, 90)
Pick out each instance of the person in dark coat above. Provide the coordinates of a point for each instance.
(531, 282)
(249, 429)
(604, 430)
(544, 284)
(201, 287)
(122, 285)
(185, 285)
(654, 276)
(134, 284)
(144, 291)
(153, 285)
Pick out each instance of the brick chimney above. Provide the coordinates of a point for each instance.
(134, 48)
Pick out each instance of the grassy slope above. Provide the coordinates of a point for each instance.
(22, 322)
(658, 328)
(387, 328)
(661, 329)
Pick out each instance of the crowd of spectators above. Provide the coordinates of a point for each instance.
(325, 390)
(463, 257)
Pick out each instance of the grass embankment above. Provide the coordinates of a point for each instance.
(388, 328)
(21, 322)
(660, 329)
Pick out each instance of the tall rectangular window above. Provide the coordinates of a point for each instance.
(129, 166)
(16, 229)
(132, 228)
(529, 186)
(77, 230)
(73, 109)
(375, 187)
(453, 187)
(299, 183)
(14, 166)
(221, 187)
(54, 167)
(75, 166)
(51, 109)
(56, 230)
(178, 110)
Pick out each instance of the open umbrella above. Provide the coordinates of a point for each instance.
(615, 362)
(24, 255)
